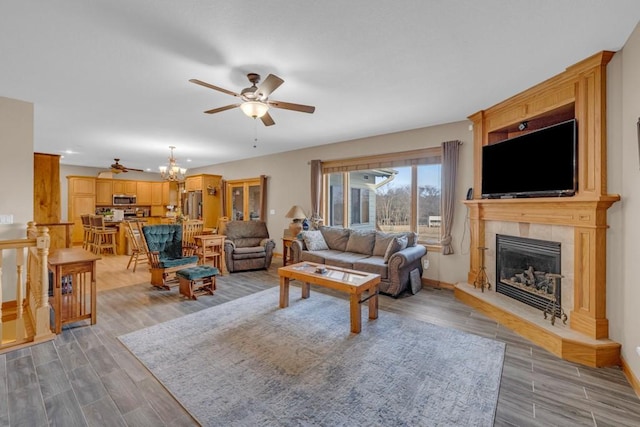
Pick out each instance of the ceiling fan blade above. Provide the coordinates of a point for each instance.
(267, 119)
(219, 109)
(271, 83)
(210, 86)
(290, 106)
(133, 169)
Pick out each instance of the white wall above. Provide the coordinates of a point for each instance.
(290, 177)
(16, 174)
(623, 240)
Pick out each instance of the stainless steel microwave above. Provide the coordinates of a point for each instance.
(123, 200)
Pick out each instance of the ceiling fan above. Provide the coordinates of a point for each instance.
(256, 102)
(118, 168)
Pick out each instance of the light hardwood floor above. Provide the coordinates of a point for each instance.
(87, 377)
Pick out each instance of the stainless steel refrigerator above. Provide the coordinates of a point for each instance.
(192, 204)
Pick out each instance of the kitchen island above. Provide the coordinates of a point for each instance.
(121, 226)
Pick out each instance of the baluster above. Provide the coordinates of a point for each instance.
(19, 281)
(43, 241)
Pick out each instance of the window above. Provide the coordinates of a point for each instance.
(393, 193)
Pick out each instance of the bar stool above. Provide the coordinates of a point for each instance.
(87, 236)
(104, 238)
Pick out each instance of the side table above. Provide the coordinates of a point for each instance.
(74, 286)
(287, 256)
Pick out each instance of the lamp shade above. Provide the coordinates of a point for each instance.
(296, 212)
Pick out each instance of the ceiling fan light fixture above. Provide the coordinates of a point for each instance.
(254, 109)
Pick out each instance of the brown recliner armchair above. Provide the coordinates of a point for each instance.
(247, 246)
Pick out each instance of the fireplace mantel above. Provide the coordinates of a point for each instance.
(580, 93)
(571, 211)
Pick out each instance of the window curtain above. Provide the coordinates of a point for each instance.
(447, 198)
(316, 190)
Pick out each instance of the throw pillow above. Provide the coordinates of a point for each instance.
(314, 240)
(335, 237)
(361, 242)
(397, 244)
(382, 243)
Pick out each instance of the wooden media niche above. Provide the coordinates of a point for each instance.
(579, 92)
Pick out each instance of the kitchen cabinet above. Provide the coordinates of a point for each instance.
(124, 187)
(246, 199)
(156, 193)
(169, 193)
(143, 193)
(193, 183)
(81, 185)
(104, 192)
(81, 200)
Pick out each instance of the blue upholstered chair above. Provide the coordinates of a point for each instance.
(166, 254)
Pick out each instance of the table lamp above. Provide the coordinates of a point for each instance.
(296, 213)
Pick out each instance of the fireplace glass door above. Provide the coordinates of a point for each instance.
(522, 266)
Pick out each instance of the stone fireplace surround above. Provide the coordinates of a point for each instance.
(578, 222)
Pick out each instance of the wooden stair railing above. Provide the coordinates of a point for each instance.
(26, 320)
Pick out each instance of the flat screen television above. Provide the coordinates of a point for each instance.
(541, 163)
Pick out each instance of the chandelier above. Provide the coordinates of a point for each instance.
(173, 172)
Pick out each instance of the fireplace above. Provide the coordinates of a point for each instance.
(522, 268)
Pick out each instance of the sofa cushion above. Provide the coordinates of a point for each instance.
(310, 256)
(336, 237)
(361, 242)
(372, 264)
(244, 242)
(343, 259)
(314, 241)
(395, 245)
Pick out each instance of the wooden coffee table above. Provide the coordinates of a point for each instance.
(355, 283)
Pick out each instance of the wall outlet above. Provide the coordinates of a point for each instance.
(272, 212)
(638, 350)
(425, 264)
(6, 219)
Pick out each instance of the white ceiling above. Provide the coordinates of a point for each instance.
(110, 78)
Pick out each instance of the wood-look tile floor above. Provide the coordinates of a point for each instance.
(87, 377)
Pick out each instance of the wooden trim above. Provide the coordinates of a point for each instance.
(587, 351)
(403, 158)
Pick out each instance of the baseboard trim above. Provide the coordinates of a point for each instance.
(633, 380)
(437, 284)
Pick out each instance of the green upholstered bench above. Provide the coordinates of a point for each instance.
(197, 280)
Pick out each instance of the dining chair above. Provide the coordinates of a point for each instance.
(190, 229)
(104, 238)
(136, 243)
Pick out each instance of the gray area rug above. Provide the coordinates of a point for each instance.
(249, 363)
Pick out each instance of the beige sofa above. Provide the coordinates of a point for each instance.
(391, 255)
